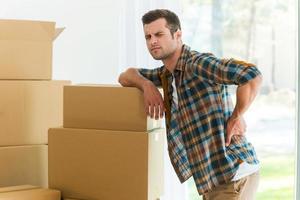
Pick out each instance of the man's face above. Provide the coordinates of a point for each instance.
(159, 39)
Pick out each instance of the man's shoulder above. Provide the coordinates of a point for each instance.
(192, 55)
(196, 56)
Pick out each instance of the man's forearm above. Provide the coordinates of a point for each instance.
(245, 95)
(132, 78)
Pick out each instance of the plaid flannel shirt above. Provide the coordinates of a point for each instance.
(204, 106)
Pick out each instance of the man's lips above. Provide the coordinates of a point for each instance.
(155, 48)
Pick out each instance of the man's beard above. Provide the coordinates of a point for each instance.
(161, 57)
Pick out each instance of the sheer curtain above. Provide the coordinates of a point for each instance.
(133, 52)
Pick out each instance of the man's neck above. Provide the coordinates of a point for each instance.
(171, 61)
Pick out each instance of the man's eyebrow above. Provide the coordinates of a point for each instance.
(158, 32)
(154, 33)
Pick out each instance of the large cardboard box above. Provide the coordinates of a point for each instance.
(100, 164)
(24, 165)
(26, 49)
(28, 109)
(28, 192)
(106, 107)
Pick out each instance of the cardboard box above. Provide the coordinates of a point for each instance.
(28, 192)
(24, 165)
(106, 107)
(100, 164)
(26, 49)
(73, 199)
(28, 109)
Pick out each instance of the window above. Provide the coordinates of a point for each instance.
(262, 32)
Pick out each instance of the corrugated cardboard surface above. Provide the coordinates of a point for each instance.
(73, 199)
(110, 165)
(26, 49)
(28, 192)
(17, 188)
(24, 165)
(28, 109)
(106, 107)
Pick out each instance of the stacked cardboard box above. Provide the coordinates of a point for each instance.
(108, 148)
(30, 101)
(28, 192)
(26, 49)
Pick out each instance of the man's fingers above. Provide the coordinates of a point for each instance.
(157, 112)
(151, 111)
(161, 110)
(229, 134)
(228, 139)
(147, 109)
(235, 126)
(153, 102)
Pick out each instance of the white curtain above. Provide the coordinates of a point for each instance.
(133, 52)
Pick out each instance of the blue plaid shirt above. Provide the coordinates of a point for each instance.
(196, 131)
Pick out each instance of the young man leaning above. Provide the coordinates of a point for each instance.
(205, 132)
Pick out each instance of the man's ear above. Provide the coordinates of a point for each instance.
(178, 34)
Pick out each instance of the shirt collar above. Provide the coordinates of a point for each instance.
(183, 57)
(181, 60)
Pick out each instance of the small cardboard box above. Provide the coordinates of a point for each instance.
(28, 109)
(106, 107)
(24, 165)
(110, 165)
(26, 49)
(28, 192)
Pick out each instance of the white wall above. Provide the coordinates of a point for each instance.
(101, 39)
(87, 51)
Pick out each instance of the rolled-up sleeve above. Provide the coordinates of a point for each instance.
(152, 75)
(225, 71)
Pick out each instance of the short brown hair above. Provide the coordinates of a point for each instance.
(173, 22)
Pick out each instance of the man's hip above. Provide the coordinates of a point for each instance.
(242, 189)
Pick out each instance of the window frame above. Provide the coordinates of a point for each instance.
(297, 181)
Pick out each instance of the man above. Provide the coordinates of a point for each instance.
(205, 134)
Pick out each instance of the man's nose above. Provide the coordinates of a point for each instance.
(153, 41)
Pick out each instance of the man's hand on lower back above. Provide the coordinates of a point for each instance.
(235, 126)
